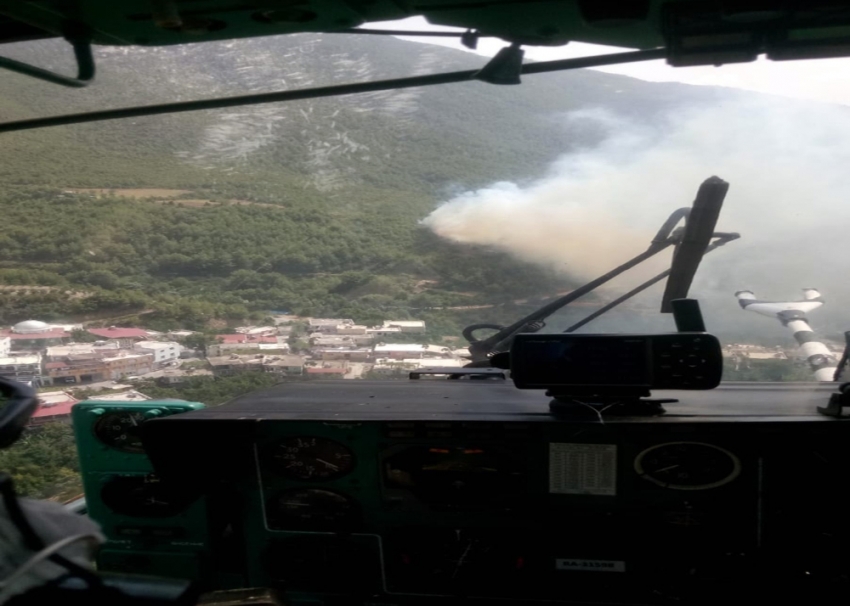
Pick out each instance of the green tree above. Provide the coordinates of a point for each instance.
(83, 336)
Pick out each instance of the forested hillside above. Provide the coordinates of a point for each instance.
(312, 206)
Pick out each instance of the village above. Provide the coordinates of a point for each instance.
(59, 359)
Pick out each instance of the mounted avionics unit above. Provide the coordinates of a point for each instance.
(571, 363)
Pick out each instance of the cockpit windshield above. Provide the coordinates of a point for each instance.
(205, 254)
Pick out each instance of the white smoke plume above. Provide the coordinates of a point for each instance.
(788, 164)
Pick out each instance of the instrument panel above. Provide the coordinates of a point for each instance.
(497, 509)
(516, 507)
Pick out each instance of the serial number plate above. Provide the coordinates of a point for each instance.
(591, 565)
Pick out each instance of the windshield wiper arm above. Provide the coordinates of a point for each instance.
(700, 221)
(722, 238)
(480, 350)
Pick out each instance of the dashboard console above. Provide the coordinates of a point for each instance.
(398, 492)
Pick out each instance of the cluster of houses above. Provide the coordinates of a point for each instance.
(335, 347)
(46, 355)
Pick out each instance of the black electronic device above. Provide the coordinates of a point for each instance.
(562, 362)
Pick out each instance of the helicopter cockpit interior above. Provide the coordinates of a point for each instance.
(554, 468)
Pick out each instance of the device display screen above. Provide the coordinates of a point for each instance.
(584, 361)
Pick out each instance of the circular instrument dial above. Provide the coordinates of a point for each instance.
(143, 496)
(120, 430)
(311, 508)
(687, 465)
(311, 458)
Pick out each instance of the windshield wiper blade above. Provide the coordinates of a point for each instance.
(697, 224)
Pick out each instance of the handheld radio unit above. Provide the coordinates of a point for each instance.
(691, 360)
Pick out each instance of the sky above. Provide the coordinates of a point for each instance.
(822, 80)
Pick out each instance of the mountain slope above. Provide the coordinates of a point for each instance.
(351, 178)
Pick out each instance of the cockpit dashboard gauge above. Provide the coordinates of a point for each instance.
(687, 465)
(120, 430)
(311, 458)
(311, 508)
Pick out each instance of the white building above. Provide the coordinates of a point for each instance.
(406, 325)
(163, 351)
(24, 369)
(327, 324)
(122, 396)
(382, 331)
(5, 346)
(75, 349)
(351, 329)
(399, 351)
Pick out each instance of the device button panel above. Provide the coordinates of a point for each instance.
(686, 361)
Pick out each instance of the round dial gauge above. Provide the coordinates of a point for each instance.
(120, 430)
(311, 508)
(311, 458)
(687, 465)
(143, 496)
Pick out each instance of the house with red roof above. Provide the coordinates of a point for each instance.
(53, 406)
(119, 332)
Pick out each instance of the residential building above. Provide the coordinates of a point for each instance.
(437, 351)
(121, 396)
(333, 372)
(318, 339)
(399, 351)
(435, 363)
(103, 348)
(379, 331)
(237, 338)
(163, 351)
(406, 325)
(236, 364)
(256, 330)
(24, 369)
(120, 333)
(350, 329)
(129, 365)
(288, 365)
(75, 368)
(351, 355)
(224, 349)
(53, 406)
(328, 325)
(276, 347)
(126, 337)
(176, 377)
